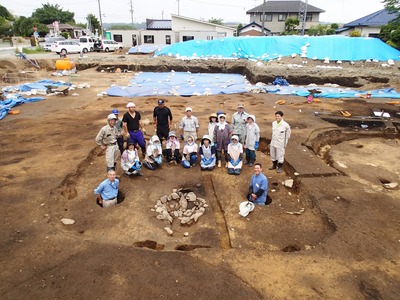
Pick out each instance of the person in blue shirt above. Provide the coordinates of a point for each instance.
(107, 191)
(258, 189)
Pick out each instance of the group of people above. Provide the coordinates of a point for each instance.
(235, 144)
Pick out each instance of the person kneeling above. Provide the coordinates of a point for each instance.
(153, 158)
(189, 158)
(207, 153)
(130, 160)
(235, 156)
(171, 151)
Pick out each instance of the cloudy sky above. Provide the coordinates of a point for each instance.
(339, 11)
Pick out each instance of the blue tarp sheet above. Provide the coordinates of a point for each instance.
(16, 99)
(38, 85)
(181, 83)
(271, 47)
(190, 84)
(6, 105)
(145, 49)
(330, 92)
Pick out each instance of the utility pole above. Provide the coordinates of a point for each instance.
(303, 15)
(101, 21)
(178, 7)
(132, 14)
(263, 18)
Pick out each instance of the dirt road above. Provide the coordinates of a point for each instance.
(334, 235)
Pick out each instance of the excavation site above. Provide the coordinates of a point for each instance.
(330, 229)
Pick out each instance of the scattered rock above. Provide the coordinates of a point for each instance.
(186, 234)
(174, 196)
(390, 185)
(164, 199)
(289, 183)
(191, 196)
(168, 230)
(198, 185)
(67, 221)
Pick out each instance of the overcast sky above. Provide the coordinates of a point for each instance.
(339, 11)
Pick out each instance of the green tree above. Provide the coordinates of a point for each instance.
(4, 13)
(121, 27)
(5, 22)
(49, 13)
(216, 21)
(93, 23)
(291, 24)
(355, 33)
(24, 27)
(334, 26)
(238, 28)
(392, 5)
(390, 33)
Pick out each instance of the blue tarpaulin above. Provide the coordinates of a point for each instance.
(271, 47)
(181, 83)
(192, 84)
(16, 99)
(6, 105)
(38, 85)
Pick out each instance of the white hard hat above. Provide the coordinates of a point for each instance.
(111, 116)
(245, 208)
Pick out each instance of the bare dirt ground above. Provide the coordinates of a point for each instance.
(334, 235)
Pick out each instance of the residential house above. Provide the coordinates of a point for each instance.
(275, 14)
(254, 29)
(165, 32)
(370, 25)
(74, 32)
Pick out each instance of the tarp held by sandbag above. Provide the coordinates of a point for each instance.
(271, 47)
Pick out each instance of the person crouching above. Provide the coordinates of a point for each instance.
(207, 153)
(171, 152)
(189, 158)
(130, 160)
(235, 156)
(153, 158)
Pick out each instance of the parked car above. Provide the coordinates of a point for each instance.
(106, 45)
(87, 42)
(51, 40)
(68, 46)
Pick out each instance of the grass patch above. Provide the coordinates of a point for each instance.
(33, 50)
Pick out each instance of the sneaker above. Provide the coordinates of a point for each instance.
(250, 164)
(246, 162)
(279, 170)
(172, 161)
(219, 164)
(139, 174)
(175, 162)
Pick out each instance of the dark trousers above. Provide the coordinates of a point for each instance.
(162, 132)
(137, 137)
(169, 156)
(250, 155)
(219, 155)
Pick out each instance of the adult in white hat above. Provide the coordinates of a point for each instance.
(189, 125)
(258, 189)
(172, 151)
(133, 127)
(280, 137)
(107, 139)
(235, 156)
(239, 119)
(252, 138)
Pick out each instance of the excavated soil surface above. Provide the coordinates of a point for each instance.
(334, 235)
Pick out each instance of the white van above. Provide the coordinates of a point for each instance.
(106, 45)
(87, 43)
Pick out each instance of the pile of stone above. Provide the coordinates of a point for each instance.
(181, 204)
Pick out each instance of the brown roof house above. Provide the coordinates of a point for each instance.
(254, 29)
(275, 14)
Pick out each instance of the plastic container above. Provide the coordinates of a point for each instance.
(64, 64)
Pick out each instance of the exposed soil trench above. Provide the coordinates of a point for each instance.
(323, 236)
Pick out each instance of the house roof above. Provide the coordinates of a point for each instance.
(254, 24)
(379, 18)
(202, 22)
(158, 24)
(284, 7)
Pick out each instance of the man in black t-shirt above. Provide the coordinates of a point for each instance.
(132, 127)
(162, 119)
